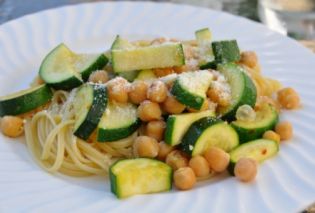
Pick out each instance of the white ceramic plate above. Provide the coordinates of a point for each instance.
(284, 184)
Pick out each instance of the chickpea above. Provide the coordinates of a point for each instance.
(245, 169)
(265, 99)
(271, 135)
(217, 158)
(12, 126)
(172, 106)
(141, 130)
(149, 111)
(184, 178)
(189, 52)
(157, 92)
(160, 40)
(145, 146)
(249, 58)
(164, 150)
(200, 166)
(138, 92)
(205, 106)
(155, 129)
(37, 81)
(178, 70)
(176, 159)
(285, 130)
(99, 76)
(169, 84)
(160, 72)
(118, 89)
(109, 68)
(215, 96)
(288, 98)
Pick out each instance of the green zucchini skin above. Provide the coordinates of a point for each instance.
(252, 134)
(67, 84)
(169, 130)
(226, 51)
(209, 65)
(248, 91)
(195, 139)
(26, 102)
(268, 149)
(100, 99)
(194, 132)
(257, 128)
(177, 125)
(100, 62)
(248, 97)
(110, 135)
(185, 97)
(113, 180)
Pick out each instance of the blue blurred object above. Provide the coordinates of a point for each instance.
(11, 9)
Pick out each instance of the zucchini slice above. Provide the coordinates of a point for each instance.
(207, 132)
(146, 75)
(129, 76)
(57, 69)
(25, 100)
(203, 35)
(259, 150)
(190, 88)
(177, 125)
(118, 121)
(155, 56)
(89, 105)
(139, 176)
(87, 63)
(226, 51)
(63, 69)
(120, 43)
(266, 119)
(209, 65)
(242, 87)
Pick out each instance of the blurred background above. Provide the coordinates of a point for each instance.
(295, 18)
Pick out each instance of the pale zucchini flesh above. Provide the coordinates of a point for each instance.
(177, 125)
(209, 132)
(155, 56)
(190, 88)
(57, 69)
(118, 121)
(139, 176)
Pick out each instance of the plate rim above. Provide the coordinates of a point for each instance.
(33, 15)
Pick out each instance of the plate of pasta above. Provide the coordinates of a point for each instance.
(114, 107)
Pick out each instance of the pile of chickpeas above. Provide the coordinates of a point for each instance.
(154, 99)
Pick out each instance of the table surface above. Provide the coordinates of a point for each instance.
(12, 9)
